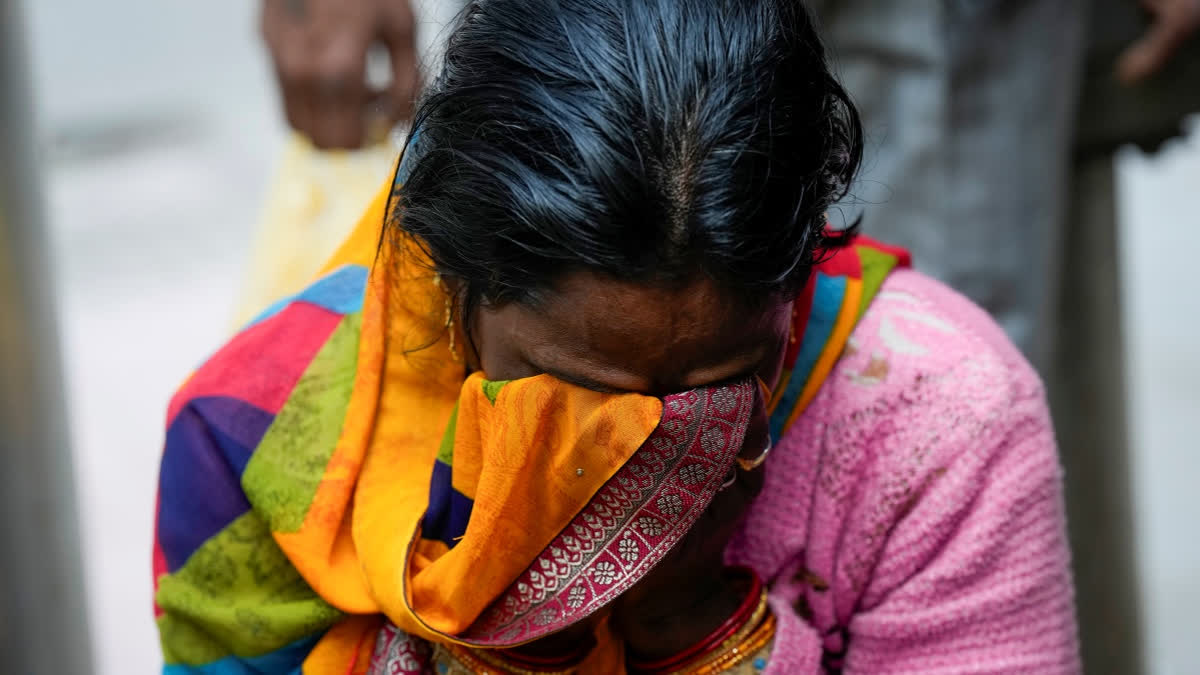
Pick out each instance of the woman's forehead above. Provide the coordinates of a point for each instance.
(596, 330)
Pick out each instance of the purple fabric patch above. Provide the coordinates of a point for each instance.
(449, 510)
(207, 448)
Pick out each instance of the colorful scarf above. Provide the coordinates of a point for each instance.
(333, 465)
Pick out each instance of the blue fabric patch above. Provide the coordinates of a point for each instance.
(341, 292)
(826, 306)
(208, 444)
(449, 510)
(287, 660)
(406, 160)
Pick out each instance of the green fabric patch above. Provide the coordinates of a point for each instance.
(492, 389)
(184, 642)
(283, 474)
(875, 267)
(237, 595)
(446, 449)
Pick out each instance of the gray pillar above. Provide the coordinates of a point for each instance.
(43, 619)
(1086, 381)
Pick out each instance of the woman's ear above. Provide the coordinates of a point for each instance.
(463, 321)
(466, 323)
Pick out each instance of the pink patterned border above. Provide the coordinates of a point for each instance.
(630, 525)
(398, 653)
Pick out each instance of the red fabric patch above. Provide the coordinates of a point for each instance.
(158, 561)
(844, 262)
(800, 312)
(262, 363)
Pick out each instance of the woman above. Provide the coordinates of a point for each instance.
(596, 388)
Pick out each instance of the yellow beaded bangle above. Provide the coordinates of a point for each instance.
(757, 633)
(756, 618)
(733, 649)
(755, 641)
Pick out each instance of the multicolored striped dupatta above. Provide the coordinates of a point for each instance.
(333, 469)
(825, 313)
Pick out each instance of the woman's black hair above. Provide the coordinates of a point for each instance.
(651, 140)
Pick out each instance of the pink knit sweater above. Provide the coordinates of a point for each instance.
(912, 519)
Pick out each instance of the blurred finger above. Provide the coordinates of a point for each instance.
(296, 107)
(339, 100)
(338, 123)
(1174, 24)
(296, 73)
(400, 40)
(283, 39)
(403, 91)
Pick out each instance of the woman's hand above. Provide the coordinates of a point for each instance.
(689, 594)
(320, 51)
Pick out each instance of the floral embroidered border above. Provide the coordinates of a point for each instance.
(398, 653)
(631, 524)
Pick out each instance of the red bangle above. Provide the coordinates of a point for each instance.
(713, 639)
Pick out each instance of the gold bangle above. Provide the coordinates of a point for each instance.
(480, 661)
(757, 632)
(755, 620)
(732, 644)
(755, 642)
(460, 663)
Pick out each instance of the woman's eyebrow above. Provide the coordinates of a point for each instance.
(578, 380)
(723, 376)
(731, 369)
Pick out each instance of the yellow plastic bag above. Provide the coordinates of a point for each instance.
(313, 203)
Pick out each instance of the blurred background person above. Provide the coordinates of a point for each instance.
(348, 75)
(996, 124)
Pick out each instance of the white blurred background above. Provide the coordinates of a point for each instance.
(160, 129)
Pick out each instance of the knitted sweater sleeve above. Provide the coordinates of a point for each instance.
(973, 574)
(913, 519)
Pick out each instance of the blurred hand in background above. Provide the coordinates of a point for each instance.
(1173, 23)
(319, 48)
